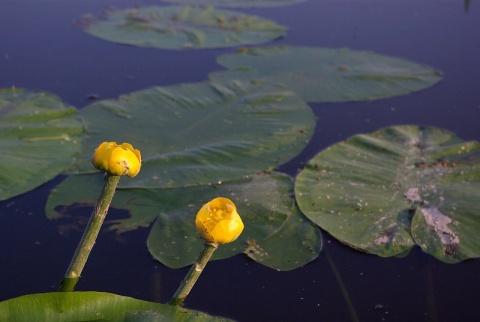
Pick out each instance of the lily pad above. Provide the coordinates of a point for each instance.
(276, 234)
(236, 3)
(386, 191)
(39, 137)
(201, 133)
(328, 75)
(93, 306)
(176, 27)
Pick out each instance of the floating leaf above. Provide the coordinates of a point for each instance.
(389, 190)
(195, 134)
(276, 234)
(39, 137)
(328, 75)
(236, 3)
(93, 306)
(176, 27)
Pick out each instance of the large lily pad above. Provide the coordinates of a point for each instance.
(176, 27)
(39, 137)
(236, 3)
(194, 134)
(389, 190)
(328, 75)
(276, 234)
(93, 306)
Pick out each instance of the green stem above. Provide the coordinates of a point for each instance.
(193, 275)
(89, 235)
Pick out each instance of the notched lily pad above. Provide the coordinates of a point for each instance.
(176, 27)
(386, 191)
(236, 3)
(276, 234)
(201, 133)
(39, 136)
(328, 75)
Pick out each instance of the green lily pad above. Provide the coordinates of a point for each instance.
(386, 191)
(93, 306)
(276, 234)
(39, 137)
(176, 27)
(236, 3)
(328, 75)
(201, 133)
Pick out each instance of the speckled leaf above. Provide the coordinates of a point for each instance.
(176, 27)
(201, 133)
(236, 3)
(39, 137)
(276, 234)
(389, 190)
(328, 75)
(93, 306)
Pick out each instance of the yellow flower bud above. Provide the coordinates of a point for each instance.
(117, 160)
(218, 221)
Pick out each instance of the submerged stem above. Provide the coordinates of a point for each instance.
(193, 274)
(343, 289)
(90, 234)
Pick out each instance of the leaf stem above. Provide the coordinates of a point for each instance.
(90, 234)
(193, 274)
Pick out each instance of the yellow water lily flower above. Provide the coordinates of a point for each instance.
(117, 160)
(218, 221)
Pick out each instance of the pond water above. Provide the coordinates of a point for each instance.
(41, 49)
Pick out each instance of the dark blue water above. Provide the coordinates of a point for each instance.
(40, 49)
